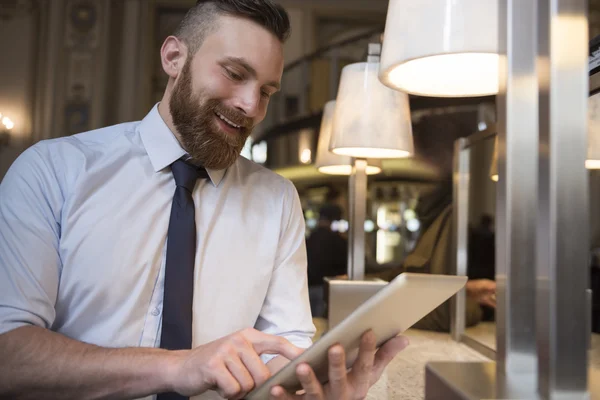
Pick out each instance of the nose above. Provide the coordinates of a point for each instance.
(247, 100)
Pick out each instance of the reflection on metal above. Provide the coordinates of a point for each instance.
(479, 346)
(357, 210)
(460, 219)
(542, 238)
(562, 263)
(473, 381)
(516, 193)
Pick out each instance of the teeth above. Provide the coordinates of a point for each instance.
(228, 121)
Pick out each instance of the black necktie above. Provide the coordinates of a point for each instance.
(179, 270)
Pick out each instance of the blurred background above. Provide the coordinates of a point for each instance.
(67, 66)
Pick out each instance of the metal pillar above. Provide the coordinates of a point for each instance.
(516, 195)
(358, 209)
(460, 224)
(542, 213)
(460, 228)
(562, 264)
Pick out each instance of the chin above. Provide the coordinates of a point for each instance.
(212, 160)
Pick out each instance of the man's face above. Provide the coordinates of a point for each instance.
(223, 90)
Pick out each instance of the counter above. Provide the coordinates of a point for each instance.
(404, 378)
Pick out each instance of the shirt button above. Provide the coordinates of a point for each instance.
(155, 312)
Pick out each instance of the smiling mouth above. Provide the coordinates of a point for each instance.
(228, 121)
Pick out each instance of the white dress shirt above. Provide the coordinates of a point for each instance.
(83, 230)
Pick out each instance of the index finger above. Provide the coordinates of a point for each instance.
(264, 343)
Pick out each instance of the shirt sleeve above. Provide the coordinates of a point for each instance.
(286, 310)
(30, 203)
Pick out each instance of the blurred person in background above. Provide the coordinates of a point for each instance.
(433, 250)
(433, 255)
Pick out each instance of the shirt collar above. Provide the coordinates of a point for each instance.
(162, 146)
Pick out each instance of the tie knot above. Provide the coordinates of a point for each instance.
(186, 174)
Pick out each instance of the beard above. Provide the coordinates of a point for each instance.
(195, 119)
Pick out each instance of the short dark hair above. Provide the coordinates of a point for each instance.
(201, 19)
(330, 212)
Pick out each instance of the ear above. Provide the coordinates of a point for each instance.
(173, 54)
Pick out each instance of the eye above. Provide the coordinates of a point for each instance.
(265, 94)
(233, 75)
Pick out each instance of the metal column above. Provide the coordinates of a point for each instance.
(516, 195)
(460, 225)
(542, 213)
(358, 210)
(460, 228)
(562, 264)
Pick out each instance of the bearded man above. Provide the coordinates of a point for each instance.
(150, 260)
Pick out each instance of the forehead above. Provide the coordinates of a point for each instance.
(238, 37)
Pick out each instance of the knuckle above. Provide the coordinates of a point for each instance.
(246, 332)
(364, 368)
(337, 379)
(238, 340)
(282, 342)
(247, 385)
(213, 363)
(226, 349)
(231, 390)
(241, 339)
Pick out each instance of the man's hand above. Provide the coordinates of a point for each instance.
(343, 385)
(483, 291)
(230, 365)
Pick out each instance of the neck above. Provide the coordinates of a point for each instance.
(165, 114)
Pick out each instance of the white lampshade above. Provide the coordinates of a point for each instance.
(443, 48)
(370, 119)
(593, 150)
(334, 164)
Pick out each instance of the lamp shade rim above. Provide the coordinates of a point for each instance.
(345, 169)
(359, 152)
(386, 69)
(592, 164)
(436, 54)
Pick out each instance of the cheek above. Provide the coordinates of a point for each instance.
(222, 87)
(263, 112)
(217, 87)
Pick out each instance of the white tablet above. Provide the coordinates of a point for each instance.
(391, 311)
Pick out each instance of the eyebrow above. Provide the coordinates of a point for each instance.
(244, 64)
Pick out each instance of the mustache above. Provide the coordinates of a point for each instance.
(234, 116)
